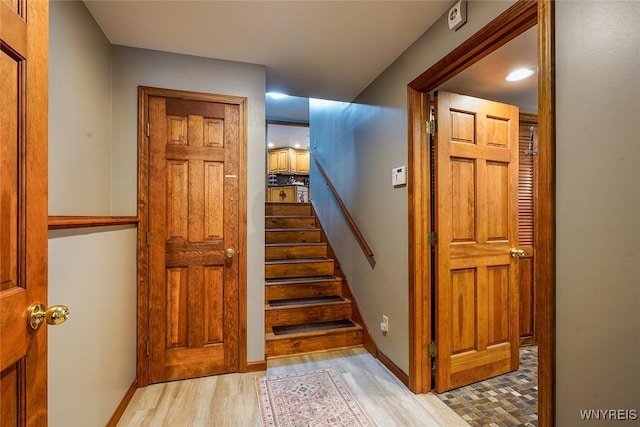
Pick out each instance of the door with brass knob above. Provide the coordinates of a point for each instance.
(23, 210)
(54, 315)
(517, 252)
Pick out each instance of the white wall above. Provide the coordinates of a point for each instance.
(358, 144)
(133, 67)
(597, 208)
(92, 356)
(79, 113)
(598, 200)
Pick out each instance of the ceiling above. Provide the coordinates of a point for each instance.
(321, 49)
(485, 79)
(311, 49)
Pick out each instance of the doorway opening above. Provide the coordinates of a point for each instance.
(513, 22)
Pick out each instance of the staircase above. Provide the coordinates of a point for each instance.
(305, 306)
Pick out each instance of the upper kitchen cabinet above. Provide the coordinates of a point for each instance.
(289, 161)
(302, 162)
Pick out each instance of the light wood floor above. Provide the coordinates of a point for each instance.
(231, 400)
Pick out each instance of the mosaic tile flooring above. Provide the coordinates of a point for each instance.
(508, 400)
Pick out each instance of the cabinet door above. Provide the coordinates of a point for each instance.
(290, 194)
(292, 161)
(283, 160)
(273, 161)
(302, 162)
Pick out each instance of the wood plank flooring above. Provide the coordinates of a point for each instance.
(231, 400)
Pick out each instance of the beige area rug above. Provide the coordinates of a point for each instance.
(306, 399)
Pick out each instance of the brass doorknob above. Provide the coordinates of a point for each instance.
(517, 252)
(54, 315)
(230, 253)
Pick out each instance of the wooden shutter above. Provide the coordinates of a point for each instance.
(526, 148)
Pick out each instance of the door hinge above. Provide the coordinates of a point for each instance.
(432, 238)
(430, 127)
(148, 238)
(148, 129)
(432, 349)
(147, 348)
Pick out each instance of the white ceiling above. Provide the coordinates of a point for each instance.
(321, 49)
(287, 136)
(311, 49)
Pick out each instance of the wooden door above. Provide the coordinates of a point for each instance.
(193, 222)
(528, 143)
(24, 28)
(476, 196)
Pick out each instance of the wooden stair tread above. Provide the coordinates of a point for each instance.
(267, 217)
(296, 280)
(280, 244)
(296, 260)
(270, 230)
(314, 329)
(295, 303)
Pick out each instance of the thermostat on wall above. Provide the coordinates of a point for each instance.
(457, 16)
(399, 176)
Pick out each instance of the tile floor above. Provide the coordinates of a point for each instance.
(508, 400)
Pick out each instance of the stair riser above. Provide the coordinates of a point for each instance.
(305, 269)
(292, 222)
(302, 290)
(301, 315)
(292, 236)
(285, 346)
(287, 209)
(295, 252)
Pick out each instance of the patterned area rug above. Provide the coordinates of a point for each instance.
(312, 398)
(504, 401)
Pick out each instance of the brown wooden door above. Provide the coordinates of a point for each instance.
(476, 198)
(193, 220)
(23, 209)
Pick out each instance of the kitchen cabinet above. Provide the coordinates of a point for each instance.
(288, 193)
(302, 162)
(282, 194)
(289, 161)
(273, 161)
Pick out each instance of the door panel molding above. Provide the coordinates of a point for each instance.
(521, 16)
(144, 94)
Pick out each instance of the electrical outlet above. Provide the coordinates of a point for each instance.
(384, 326)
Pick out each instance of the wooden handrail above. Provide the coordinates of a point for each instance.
(58, 222)
(354, 227)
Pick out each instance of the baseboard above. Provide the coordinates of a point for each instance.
(258, 366)
(113, 421)
(395, 370)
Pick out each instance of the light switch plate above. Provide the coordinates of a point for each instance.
(399, 176)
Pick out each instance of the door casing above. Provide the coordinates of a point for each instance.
(143, 227)
(518, 18)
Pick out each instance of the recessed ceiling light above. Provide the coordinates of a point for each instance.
(296, 145)
(277, 95)
(520, 74)
(270, 145)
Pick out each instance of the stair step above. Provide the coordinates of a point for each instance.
(306, 287)
(289, 235)
(280, 208)
(306, 313)
(306, 339)
(289, 221)
(295, 250)
(313, 327)
(305, 267)
(304, 301)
